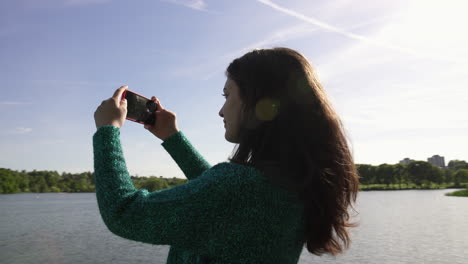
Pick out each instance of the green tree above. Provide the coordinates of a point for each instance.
(8, 183)
(23, 181)
(418, 171)
(52, 178)
(424, 173)
(41, 185)
(448, 175)
(386, 174)
(436, 175)
(366, 173)
(154, 184)
(175, 181)
(455, 165)
(37, 182)
(461, 176)
(85, 182)
(401, 174)
(55, 189)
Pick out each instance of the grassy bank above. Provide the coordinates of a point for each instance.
(461, 193)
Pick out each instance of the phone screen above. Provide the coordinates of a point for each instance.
(140, 109)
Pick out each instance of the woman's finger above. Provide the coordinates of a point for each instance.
(156, 100)
(118, 93)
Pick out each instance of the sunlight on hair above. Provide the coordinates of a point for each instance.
(266, 109)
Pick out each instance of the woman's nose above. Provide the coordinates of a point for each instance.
(221, 112)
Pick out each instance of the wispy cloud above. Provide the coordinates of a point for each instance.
(21, 130)
(275, 38)
(85, 2)
(13, 103)
(51, 141)
(16, 131)
(217, 65)
(61, 3)
(193, 4)
(328, 27)
(73, 85)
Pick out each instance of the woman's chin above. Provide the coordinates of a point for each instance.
(227, 136)
(230, 138)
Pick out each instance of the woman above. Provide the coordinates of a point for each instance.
(290, 180)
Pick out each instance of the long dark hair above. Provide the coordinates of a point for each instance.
(290, 127)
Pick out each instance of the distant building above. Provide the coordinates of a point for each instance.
(406, 161)
(437, 161)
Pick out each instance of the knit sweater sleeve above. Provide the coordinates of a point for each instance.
(195, 215)
(185, 155)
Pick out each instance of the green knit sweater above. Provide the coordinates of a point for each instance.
(228, 213)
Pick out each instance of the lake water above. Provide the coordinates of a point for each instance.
(395, 227)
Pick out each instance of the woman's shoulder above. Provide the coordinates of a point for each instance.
(253, 179)
(235, 172)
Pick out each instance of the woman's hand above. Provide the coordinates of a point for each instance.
(112, 111)
(166, 123)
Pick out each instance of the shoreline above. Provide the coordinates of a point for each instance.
(365, 189)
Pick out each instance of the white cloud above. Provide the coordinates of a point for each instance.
(85, 2)
(61, 3)
(16, 131)
(193, 4)
(219, 63)
(418, 29)
(398, 102)
(383, 43)
(22, 130)
(51, 141)
(13, 103)
(277, 37)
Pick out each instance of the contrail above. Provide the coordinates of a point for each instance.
(345, 33)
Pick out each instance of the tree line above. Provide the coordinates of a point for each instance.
(420, 173)
(12, 181)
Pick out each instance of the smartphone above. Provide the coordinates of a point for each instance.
(139, 108)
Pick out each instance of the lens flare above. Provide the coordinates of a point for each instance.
(267, 109)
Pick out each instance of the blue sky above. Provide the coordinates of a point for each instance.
(396, 72)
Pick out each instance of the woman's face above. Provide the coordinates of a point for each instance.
(231, 111)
